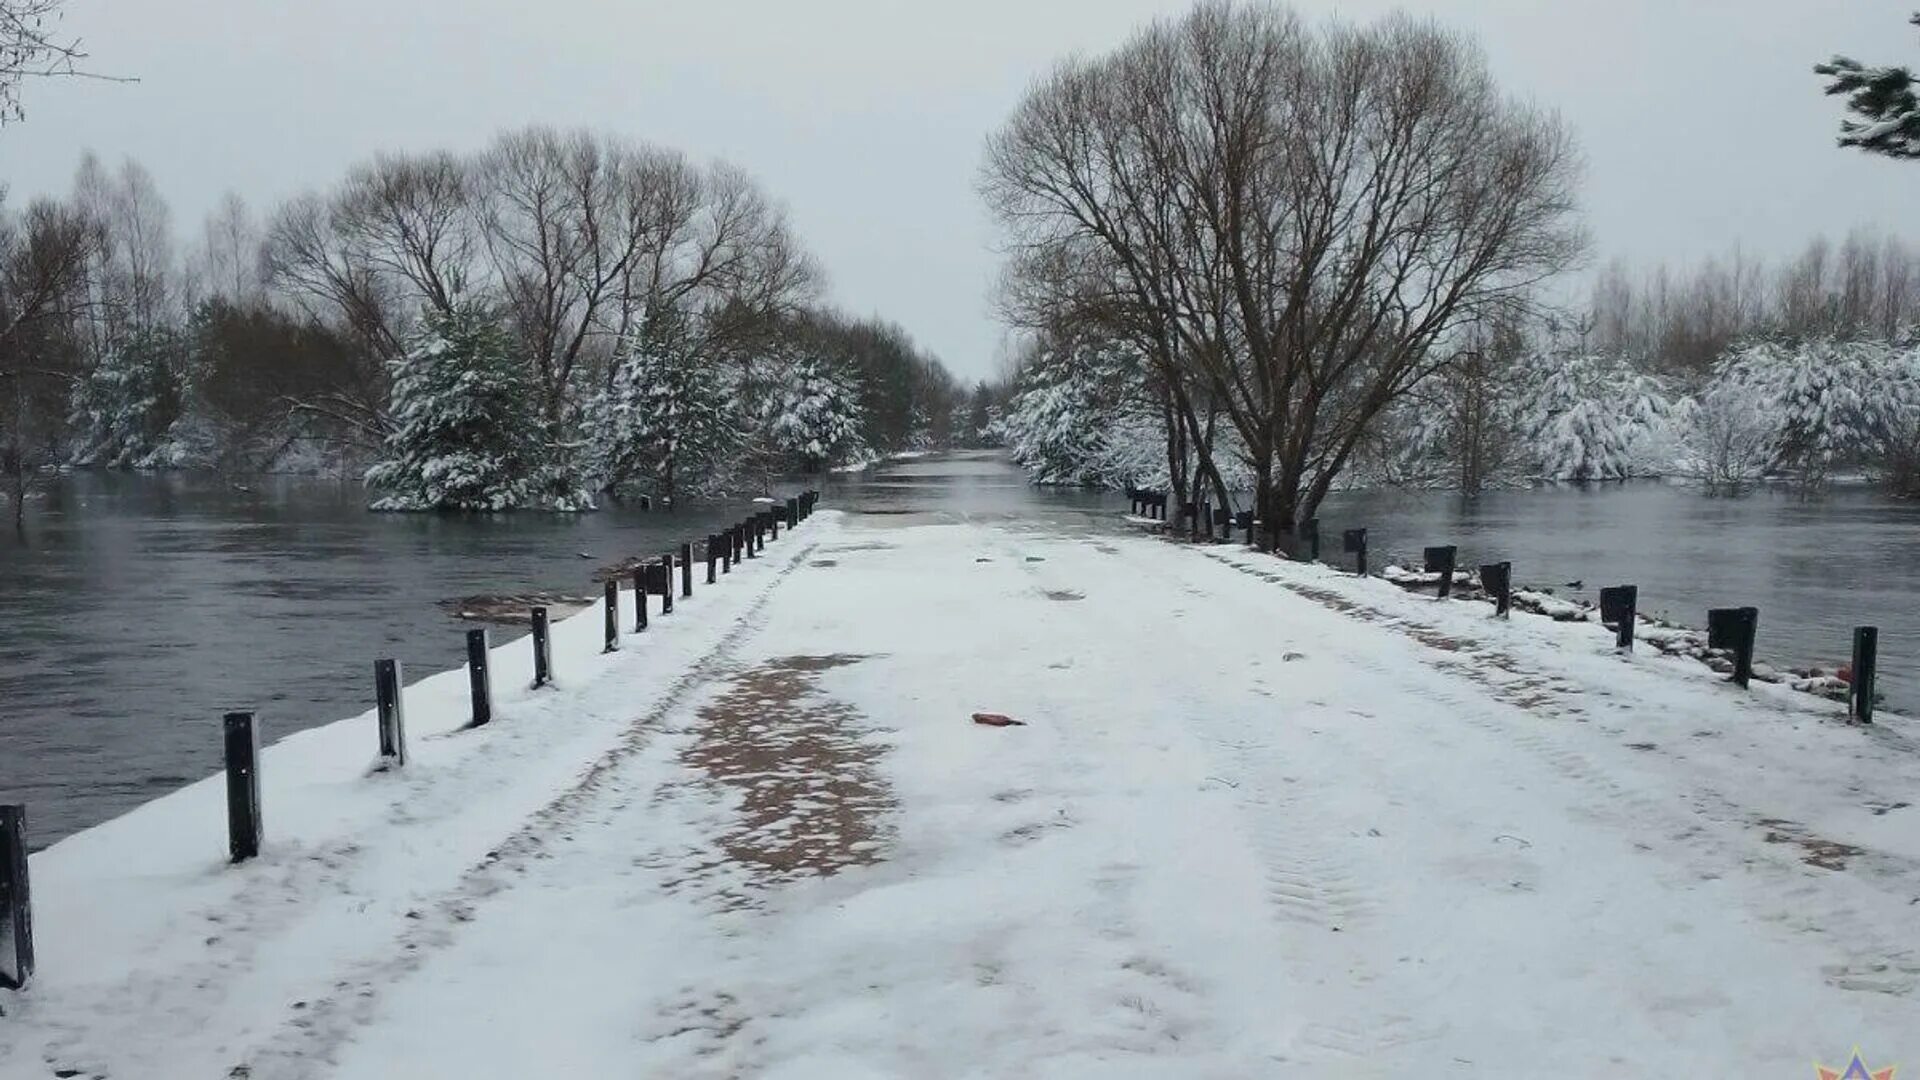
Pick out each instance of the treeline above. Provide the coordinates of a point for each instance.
(556, 316)
(1731, 375)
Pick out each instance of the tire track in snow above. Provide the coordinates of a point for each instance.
(1716, 833)
(308, 1041)
(1313, 886)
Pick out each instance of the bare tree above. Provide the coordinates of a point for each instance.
(1302, 215)
(32, 47)
(229, 264)
(43, 265)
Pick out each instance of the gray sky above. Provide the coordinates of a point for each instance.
(1701, 122)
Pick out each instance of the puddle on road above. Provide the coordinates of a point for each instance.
(812, 799)
(1063, 595)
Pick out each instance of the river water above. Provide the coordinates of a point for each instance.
(139, 608)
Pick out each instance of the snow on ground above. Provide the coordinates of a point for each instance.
(1265, 820)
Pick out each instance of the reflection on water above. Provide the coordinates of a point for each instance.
(141, 607)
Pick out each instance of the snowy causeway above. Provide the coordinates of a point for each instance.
(1261, 819)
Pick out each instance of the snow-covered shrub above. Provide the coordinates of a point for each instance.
(1731, 436)
(468, 432)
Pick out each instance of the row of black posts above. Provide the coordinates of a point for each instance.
(241, 733)
(1729, 629)
(1732, 630)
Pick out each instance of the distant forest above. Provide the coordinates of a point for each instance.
(558, 316)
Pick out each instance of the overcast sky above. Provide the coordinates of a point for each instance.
(1700, 119)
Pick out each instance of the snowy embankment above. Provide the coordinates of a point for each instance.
(1265, 819)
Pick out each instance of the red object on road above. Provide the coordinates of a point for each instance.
(993, 719)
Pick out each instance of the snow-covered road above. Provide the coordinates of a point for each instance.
(1264, 820)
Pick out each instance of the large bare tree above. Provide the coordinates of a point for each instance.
(1292, 221)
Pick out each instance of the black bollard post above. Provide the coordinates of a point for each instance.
(611, 610)
(640, 574)
(1441, 560)
(1866, 665)
(773, 524)
(1354, 542)
(1618, 606)
(746, 538)
(16, 906)
(666, 584)
(1244, 520)
(1497, 580)
(243, 786)
(713, 560)
(393, 724)
(686, 569)
(793, 513)
(1734, 629)
(478, 678)
(542, 650)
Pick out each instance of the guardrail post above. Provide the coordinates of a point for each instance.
(713, 560)
(393, 724)
(640, 597)
(1735, 629)
(610, 616)
(1866, 665)
(1497, 579)
(542, 650)
(1442, 559)
(1618, 605)
(478, 678)
(1354, 542)
(686, 569)
(666, 584)
(16, 900)
(243, 786)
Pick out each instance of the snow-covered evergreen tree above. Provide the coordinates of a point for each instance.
(1594, 417)
(1054, 425)
(123, 408)
(818, 423)
(665, 416)
(468, 434)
